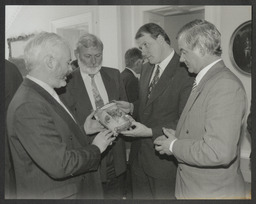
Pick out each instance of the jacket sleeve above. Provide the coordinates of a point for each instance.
(42, 140)
(224, 113)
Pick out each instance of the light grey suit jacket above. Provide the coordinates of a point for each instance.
(208, 135)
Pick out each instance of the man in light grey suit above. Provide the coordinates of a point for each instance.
(206, 141)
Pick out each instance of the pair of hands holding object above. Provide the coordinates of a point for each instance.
(104, 138)
(162, 143)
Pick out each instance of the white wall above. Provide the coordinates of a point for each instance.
(127, 33)
(174, 23)
(228, 18)
(31, 19)
(110, 35)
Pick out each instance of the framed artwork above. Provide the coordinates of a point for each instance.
(16, 51)
(241, 48)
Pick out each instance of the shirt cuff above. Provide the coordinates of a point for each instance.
(171, 145)
(131, 108)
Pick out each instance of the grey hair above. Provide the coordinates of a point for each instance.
(201, 34)
(39, 46)
(88, 40)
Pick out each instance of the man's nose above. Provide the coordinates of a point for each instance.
(93, 60)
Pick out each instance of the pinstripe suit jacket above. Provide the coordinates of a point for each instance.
(208, 135)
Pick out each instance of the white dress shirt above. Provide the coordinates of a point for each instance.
(162, 65)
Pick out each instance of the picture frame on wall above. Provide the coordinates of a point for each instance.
(240, 50)
(16, 47)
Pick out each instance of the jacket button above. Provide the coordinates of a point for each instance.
(187, 131)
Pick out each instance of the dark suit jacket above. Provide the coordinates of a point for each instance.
(163, 109)
(50, 152)
(208, 135)
(75, 96)
(131, 84)
(13, 79)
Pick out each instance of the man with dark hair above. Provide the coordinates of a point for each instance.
(130, 75)
(206, 141)
(164, 88)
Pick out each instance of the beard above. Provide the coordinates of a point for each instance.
(88, 70)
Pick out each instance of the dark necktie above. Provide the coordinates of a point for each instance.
(154, 81)
(98, 100)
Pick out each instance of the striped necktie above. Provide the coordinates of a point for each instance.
(96, 94)
(194, 85)
(154, 81)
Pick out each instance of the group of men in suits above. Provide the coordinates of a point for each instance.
(60, 151)
(188, 146)
(52, 155)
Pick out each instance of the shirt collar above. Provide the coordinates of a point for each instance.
(44, 85)
(201, 74)
(166, 61)
(134, 73)
(87, 75)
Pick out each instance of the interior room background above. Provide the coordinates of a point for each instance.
(116, 27)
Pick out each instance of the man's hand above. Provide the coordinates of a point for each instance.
(162, 143)
(139, 130)
(103, 139)
(92, 126)
(124, 106)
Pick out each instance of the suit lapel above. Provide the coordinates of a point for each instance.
(217, 68)
(59, 109)
(144, 82)
(164, 80)
(109, 84)
(80, 92)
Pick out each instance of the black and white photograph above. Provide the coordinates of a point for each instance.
(180, 75)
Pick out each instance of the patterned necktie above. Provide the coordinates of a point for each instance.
(154, 81)
(98, 100)
(194, 85)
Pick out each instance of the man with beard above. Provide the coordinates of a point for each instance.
(52, 156)
(91, 86)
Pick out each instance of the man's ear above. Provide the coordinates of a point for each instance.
(137, 65)
(49, 61)
(202, 51)
(199, 50)
(160, 39)
(137, 62)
